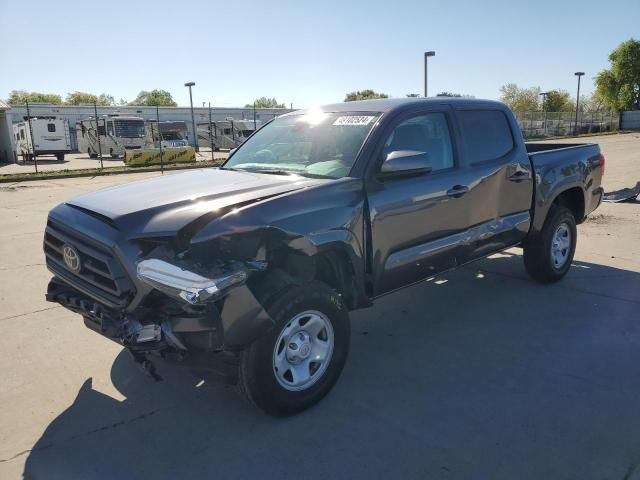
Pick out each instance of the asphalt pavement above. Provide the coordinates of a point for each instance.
(478, 374)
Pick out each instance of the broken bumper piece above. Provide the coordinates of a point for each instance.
(186, 285)
(235, 322)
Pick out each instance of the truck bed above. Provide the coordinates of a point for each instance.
(545, 147)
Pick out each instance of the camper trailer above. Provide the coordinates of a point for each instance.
(172, 134)
(50, 137)
(117, 134)
(225, 134)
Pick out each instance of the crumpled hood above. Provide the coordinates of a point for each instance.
(163, 205)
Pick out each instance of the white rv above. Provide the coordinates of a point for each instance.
(117, 134)
(173, 134)
(225, 134)
(50, 137)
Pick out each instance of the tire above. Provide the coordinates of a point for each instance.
(93, 155)
(309, 306)
(539, 260)
(60, 157)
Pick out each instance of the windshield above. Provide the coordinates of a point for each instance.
(172, 136)
(129, 128)
(316, 143)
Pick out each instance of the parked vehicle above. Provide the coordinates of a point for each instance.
(50, 137)
(225, 134)
(320, 212)
(173, 134)
(117, 134)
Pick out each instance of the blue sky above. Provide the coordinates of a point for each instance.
(305, 52)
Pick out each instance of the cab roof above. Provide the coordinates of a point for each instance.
(386, 105)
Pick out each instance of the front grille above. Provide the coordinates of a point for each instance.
(101, 275)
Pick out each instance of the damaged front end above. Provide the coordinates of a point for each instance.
(188, 310)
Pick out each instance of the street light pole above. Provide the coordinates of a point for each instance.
(544, 112)
(575, 126)
(254, 116)
(426, 56)
(193, 118)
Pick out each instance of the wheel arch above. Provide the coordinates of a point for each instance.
(334, 265)
(573, 199)
(569, 195)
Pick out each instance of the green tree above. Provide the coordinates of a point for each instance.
(558, 101)
(619, 86)
(20, 97)
(264, 102)
(454, 95)
(106, 99)
(364, 95)
(79, 98)
(161, 98)
(593, 103)
(520, 99)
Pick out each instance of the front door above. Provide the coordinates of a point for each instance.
(416, 221)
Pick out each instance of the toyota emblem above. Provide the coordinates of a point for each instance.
(71, 258)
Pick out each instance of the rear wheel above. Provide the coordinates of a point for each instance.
(60, 157)
(548, 256)
(296, 364)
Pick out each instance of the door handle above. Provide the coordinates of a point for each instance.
(520, 175)
(457, 191)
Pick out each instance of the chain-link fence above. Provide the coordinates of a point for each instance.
(559, 124)
(53, 138)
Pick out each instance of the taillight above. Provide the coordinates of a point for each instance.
(601, 161)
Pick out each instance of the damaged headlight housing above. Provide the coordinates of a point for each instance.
(185, 285)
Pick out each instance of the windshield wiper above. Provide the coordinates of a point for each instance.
(273, 171)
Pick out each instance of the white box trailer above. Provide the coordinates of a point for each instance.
(117, 134)
(50, 137)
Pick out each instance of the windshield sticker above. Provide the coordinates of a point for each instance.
(353, 120)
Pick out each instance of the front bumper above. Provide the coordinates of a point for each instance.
(228, 325)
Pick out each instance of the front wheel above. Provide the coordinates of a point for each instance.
(297, 363)
(548, 256)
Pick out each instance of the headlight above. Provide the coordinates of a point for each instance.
(184, 284)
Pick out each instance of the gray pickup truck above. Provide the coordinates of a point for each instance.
(255, 265)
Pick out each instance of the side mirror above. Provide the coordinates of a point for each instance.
(405, 163)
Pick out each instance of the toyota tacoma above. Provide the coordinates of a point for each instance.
(256, 264)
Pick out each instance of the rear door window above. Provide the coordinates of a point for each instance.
(486, 135)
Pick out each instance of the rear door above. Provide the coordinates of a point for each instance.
(501, 190)
(49, 136)
(417, 222)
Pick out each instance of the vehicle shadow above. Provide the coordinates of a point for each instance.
(480, 373)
